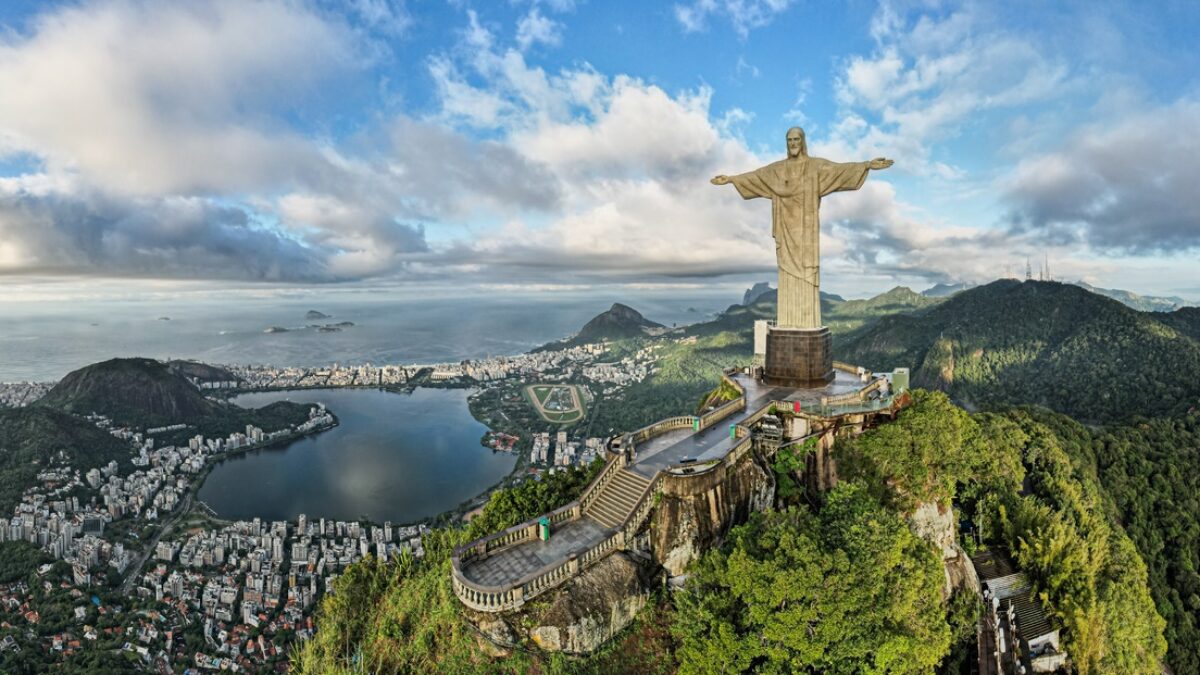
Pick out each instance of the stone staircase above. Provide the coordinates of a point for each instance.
(617, 498)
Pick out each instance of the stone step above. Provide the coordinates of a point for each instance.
(623, 479)
(627, 486)
(628, 475)
(615, 503)
(623, 493)
(614, 509)
(605, 516)
(618, 498)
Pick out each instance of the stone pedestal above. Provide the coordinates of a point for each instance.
(799, 357)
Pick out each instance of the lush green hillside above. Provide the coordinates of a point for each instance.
(1149, 469)
(31, 437)
(846, 316)
(139, 391)
(201, 371)
(1039, 342)
(1185, 320)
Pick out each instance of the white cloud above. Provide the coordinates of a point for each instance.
(929, 78)
(1124, 186)
(187, 110)
(390, 17)
(188, 164)
(534, 29)
(149, 98)
(743, 15)
(89, 233)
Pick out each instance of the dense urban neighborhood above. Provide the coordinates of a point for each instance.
(132, 566)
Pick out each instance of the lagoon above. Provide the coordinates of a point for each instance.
(399, 457)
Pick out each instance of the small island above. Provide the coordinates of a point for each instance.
(276, 329)
(313, 315)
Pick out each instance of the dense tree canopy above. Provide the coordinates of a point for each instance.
(1150, 471)
(1081, 563)
(849, 589)
(920, 457)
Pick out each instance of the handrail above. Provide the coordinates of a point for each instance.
(642, 507)
(847, 367)
(606, 474)
(488, 544)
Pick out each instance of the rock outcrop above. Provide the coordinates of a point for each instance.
(936, 524)
(696, 511)
(578, 617)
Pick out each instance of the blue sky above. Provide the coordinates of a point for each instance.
(407, 145)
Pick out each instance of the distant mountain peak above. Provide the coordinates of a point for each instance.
(1142, 303)
(619, 321)
(940, 290)
(755, 292)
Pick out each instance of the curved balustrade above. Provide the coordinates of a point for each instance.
(847, 367)
(729, 407)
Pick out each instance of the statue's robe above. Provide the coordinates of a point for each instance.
(795, 187)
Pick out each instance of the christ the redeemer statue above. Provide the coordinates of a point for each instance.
(795, 186)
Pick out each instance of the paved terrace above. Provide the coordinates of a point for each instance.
(714, 442)
(653, 455)
(574, 536)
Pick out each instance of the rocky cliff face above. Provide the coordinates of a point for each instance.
(578, 617)
(695, 512)
(936, 524)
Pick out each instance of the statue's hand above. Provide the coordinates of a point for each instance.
(879, 163)
(720, 180)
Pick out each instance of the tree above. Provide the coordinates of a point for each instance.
(849, 589)
(921, 457)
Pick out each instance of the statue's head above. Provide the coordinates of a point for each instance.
(795, 142)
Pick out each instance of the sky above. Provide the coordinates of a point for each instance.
(568, 144)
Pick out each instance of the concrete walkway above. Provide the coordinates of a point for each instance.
(673, 447)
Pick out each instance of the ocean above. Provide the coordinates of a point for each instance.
(44, 341)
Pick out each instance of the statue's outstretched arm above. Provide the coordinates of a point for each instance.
(720, 180)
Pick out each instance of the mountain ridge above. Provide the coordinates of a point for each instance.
(1048, 343)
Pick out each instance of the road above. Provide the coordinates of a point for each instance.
(136, 570)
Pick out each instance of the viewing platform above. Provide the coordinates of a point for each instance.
(712, 442)
(500, 572)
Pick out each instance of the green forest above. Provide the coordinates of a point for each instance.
(30, 438)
